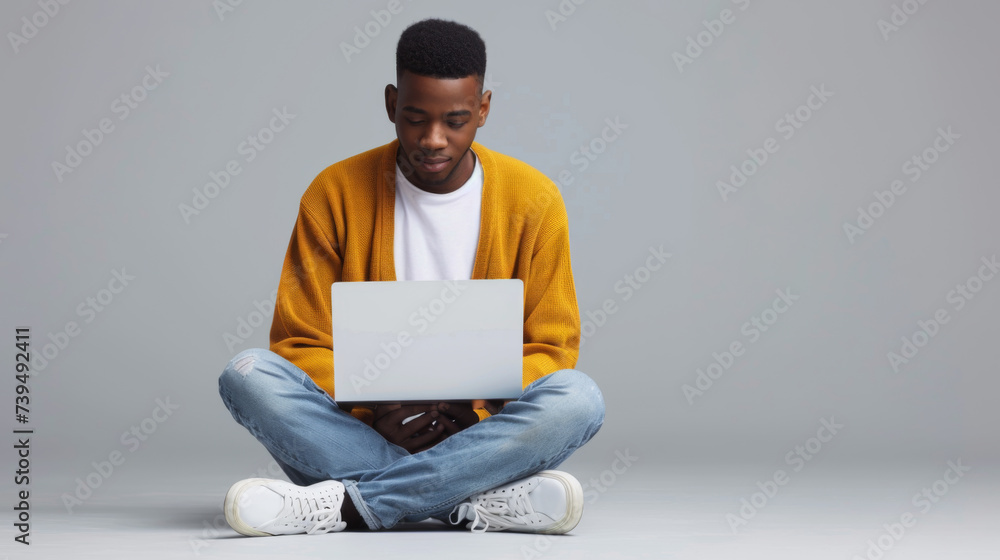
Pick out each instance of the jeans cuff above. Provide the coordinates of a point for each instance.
(366, 513)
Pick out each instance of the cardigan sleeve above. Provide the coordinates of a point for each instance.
(301, 331)
(551, 313)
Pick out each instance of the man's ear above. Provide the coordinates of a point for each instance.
(391, 93)
(484, 107)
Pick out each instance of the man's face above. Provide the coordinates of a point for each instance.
(436, 121)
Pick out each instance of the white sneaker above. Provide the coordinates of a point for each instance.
(549, 502)
(260, 507)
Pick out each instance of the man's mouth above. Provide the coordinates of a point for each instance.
(434, 165)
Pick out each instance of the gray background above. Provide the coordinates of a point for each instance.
(655, 185)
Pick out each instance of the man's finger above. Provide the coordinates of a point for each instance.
(391, 424)
(450, 428)
(419, 443)
(459, 412)
(416, 425)
(382, 409)
(397, 415)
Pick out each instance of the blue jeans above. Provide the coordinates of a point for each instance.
(313, 439)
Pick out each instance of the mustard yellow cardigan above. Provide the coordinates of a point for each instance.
(344, 233)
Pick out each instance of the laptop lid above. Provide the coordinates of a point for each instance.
(427, 340)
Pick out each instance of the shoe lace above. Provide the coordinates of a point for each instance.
(499, 509)
(319, 511)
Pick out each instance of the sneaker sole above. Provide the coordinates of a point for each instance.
(233, 512)
(574, 502)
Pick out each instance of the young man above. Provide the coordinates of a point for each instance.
(431, 205)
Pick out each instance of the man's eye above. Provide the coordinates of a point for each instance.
(414, 122)
(456, 124)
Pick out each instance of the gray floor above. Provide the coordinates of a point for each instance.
(679, 513)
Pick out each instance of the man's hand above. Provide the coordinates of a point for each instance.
(414, 436)
(456, 416)
(437, 421)
(460, 415)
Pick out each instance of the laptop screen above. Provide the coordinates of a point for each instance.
(427, 341)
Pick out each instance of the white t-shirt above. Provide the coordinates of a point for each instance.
(435, 235)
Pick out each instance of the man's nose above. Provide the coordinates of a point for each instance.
(434, 138)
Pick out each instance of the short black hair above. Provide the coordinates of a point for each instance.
(438, 48)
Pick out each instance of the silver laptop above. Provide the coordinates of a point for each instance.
(427, 341)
